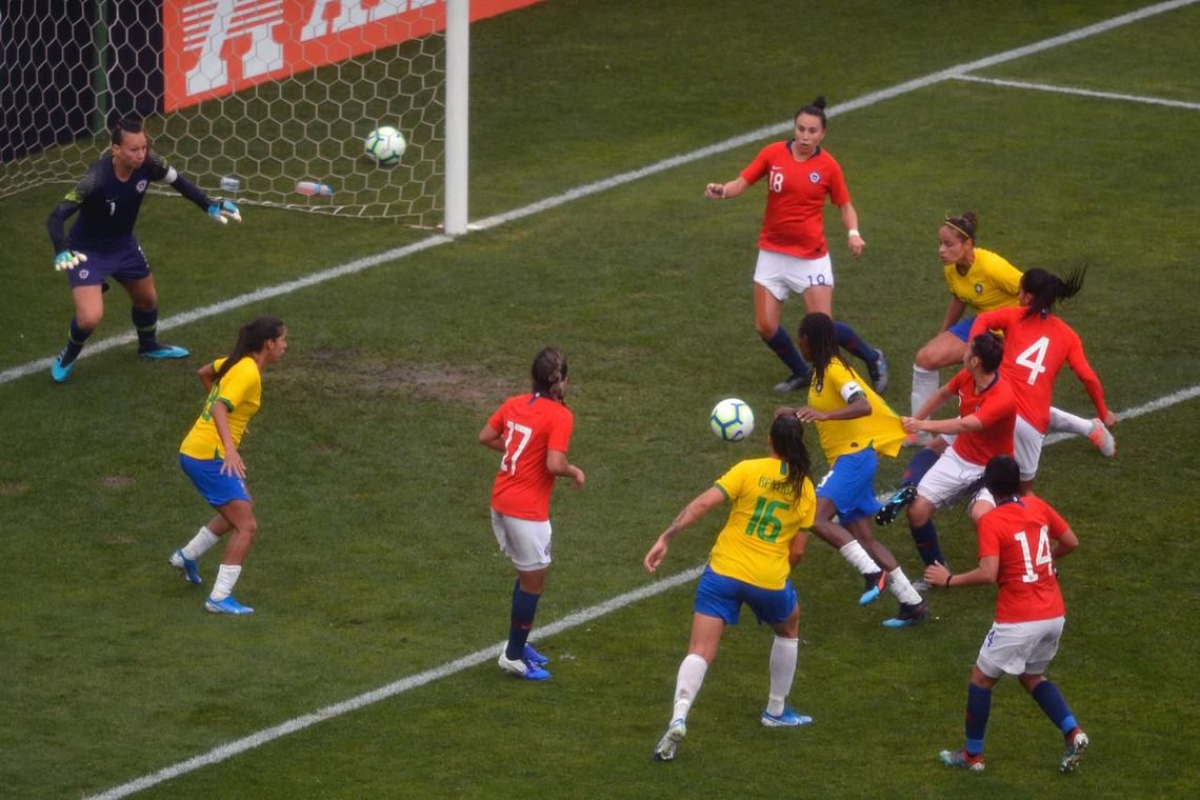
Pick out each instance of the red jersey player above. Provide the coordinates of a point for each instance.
(1037, 344)
(533, 431)
(1019, 542)
(984, 428)
(793, 257)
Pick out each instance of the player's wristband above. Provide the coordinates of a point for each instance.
(853, 232)
(948, 577)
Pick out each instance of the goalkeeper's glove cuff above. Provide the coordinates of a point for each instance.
(68, 259)
(224, 210)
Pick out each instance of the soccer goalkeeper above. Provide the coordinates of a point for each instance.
(101, 243)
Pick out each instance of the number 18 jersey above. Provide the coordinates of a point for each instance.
(531, 425)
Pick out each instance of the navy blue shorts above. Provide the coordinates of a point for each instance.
(850, 484)
(722, 597)
(214, 487)
(124, 265)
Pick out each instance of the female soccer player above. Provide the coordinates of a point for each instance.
(793, 256)
(855, 426)
(1020, 541)
(1036, 345)
(102, 245)
(209, 456)
(980, 280)
(533, 431)
(772, 501)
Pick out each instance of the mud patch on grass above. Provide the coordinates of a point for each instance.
(116, 482)
(13, 488)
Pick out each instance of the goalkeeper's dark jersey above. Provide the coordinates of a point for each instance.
(108, 207)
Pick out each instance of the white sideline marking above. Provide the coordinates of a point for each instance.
(233, 748)
(1047, 87)
(870, 99)
(244, 744)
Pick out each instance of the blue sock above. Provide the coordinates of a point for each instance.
(785, 348)
(524, 609)
(146, 323)
(921, 463)
(926, 539)
(75, 340)
(1054, 706)
(848, 339)
(979, 706)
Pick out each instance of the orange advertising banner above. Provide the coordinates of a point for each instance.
(213, 48)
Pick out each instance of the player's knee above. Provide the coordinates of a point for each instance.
(764, 329)
(926, 359)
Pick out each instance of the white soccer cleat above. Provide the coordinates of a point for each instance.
(1102, 437)
(668, 745)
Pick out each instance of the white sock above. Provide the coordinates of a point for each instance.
(925, 382)
(200, 544)
(784, 654)
(901, 588)
(687, 685)
(1069, 423)
(227, 576)
(853, 552)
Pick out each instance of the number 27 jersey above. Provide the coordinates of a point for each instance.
(530, 425)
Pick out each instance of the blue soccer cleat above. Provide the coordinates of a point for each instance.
(879, 373)
(895, 504)
(534, 656)
(788, 718)
(876, 583)
(58, 372)
(162, 351)
(186, 566)
(523, 668)
(910, 614)
(227, 606)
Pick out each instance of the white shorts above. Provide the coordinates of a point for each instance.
(949, 480)
(1027, 448)
(783, 275)
(1020, 648)
(526, 542)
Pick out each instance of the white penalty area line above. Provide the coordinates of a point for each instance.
(867, 100)
(1075, 90)
(227, 751)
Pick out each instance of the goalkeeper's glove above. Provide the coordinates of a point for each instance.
(68, 259)
(224, 210)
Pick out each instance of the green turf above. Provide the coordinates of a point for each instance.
(376, 560)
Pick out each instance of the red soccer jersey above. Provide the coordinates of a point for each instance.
(1035, 349)
(796, 190)
(1019, 532)
(532, 425)
(996, 408)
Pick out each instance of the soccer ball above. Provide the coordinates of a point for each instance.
(385, 146)
(732, 420)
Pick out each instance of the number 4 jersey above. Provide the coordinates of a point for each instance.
(1035, 349)
(531, 425)
(1021, 533)
(753, 546)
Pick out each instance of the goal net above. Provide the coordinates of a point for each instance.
(261, 94)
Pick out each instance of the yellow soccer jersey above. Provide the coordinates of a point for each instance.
(842, 436)
(990, 283)
(240, 390)
(754, 544)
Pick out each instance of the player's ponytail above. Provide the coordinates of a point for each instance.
(821, 335)
(252, 338)
(1045, 289)
(549, 373)
(787, 440)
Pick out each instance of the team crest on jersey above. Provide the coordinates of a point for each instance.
(141, 186)
(815, 177)
(83, 273)
(979, 288)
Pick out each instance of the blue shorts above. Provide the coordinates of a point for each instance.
(850, 484)
(962, 328)
(123, 265)
(722, 597)
(214, 487)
